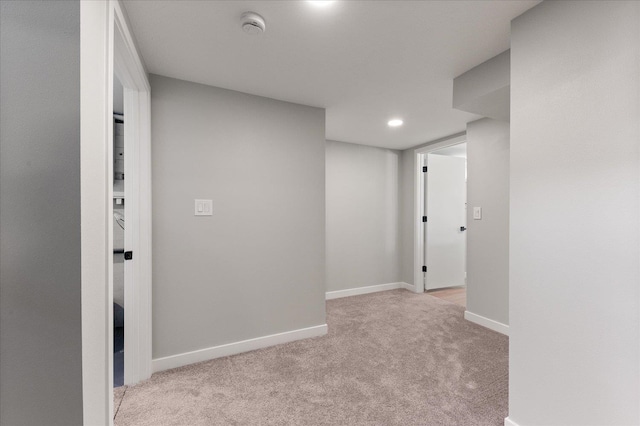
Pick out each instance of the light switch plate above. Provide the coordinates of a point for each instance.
(203, 207)
(477, 213)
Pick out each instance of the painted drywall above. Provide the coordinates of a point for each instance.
(488, 239)
(484, 89)
(40, 317)
(459, 151)
(256, 267)
(407, 215)
(363, 239)
(118, 96)
(574, 225)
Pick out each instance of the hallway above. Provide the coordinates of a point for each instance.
(457, 295)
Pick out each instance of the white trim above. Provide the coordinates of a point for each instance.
(104, 33)
(486, 322)
(363, 290)
(129, 68)
(408, 286)
(187, 358)
(509, 422)
(419, 249)
(95, 203)
(132, 222)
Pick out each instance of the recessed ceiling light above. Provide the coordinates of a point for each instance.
(395, 122)
(320, 3)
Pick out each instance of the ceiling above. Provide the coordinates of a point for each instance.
(364, 61)
(459, 150)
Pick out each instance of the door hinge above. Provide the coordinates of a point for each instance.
(424, 269)
(424, 218)
(424, 169)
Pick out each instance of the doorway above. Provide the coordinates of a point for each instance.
(135, 172)
(108, 49)
(440, 219)
(119, 243)
(445, 230)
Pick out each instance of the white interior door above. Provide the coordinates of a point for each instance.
(446, 214)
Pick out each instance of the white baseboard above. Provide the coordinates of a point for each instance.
(509, 422)
(179, 360)
(363, 290)
(407, 286)
(486, 322)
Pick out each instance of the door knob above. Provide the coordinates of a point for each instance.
(462, 228)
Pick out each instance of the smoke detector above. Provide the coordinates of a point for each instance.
(252, 23)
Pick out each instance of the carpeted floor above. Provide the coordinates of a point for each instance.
(390, 358)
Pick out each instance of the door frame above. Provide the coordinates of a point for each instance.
(419, 248)
(137, 152)
(107, 46)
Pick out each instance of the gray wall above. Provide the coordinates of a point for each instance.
(363, 240)
(257, 266)
(575, 231)
(40, 323)
(484, 89)
(407, 193)
(488, 239)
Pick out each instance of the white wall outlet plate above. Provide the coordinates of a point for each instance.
(203, 207)
(477, 213)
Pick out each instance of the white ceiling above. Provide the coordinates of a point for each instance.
(364, 61)
(459, 150)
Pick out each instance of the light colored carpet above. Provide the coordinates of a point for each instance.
(118, 395)
(390, 358)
